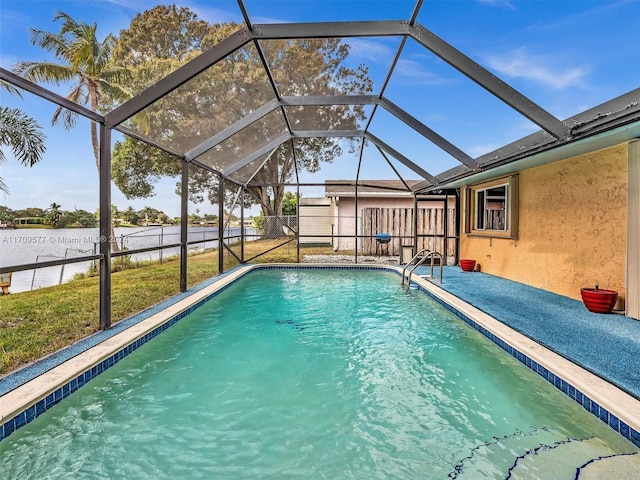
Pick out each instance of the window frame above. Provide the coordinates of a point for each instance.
(511, 208)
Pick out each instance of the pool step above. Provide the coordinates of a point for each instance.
(539, 454)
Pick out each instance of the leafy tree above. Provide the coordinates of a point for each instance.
(195, 218)
(222, 95)
(6, 214)
(148, 214)
(30, 212)
(53, 215)
(77, 218)
(131, 216)
(85, 219)
(266, 228)
(289, 204)
(162, 217)
(21, 133)
(97, 81)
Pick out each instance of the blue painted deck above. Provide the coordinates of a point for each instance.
(605, 344)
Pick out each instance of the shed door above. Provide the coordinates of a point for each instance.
(314, 223)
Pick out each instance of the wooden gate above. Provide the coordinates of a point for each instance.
(398, 222)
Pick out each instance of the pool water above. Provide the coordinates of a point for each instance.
(336, 374)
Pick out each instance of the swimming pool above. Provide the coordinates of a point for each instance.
(314, 373)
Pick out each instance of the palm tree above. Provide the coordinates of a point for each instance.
(86, 62)
(21, 133)
(54, 214)
(115, 213)
(146, 211)
(129, 215)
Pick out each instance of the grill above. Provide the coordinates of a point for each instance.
(383, 237)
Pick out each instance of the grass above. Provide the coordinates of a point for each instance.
(37, 323)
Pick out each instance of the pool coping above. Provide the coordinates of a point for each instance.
(606, 401)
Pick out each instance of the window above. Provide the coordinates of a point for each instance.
(492, 208)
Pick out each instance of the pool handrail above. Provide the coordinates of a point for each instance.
(430, 254)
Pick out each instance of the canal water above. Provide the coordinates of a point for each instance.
(33, 245)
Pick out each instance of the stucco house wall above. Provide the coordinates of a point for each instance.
(572, 226)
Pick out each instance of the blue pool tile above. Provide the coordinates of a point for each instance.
(595, 408)
(31, 413)
(558, 382)
(66, 390)
(543, 372)
(21, 420)
(604, 415)
(625, 430)
(635, 437)
(572, 392)
(49, 401)
(586, 402)
(40, 407)
(9, 427)
(565, 387)
(614, 422)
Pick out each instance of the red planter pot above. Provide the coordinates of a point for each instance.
(599, 300)
(467, 265)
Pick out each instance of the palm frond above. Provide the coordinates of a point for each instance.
(47, 72)
(22, 134)
(10, 88)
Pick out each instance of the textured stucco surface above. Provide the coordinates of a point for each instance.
(573, 217)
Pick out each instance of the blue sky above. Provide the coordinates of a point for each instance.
(565, 55)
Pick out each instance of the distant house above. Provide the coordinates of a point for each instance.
(28, 221)
(387, 206)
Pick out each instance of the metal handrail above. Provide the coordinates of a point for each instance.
(411, 261)
(430, 254)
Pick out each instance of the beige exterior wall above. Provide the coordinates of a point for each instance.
(572, 227)
(633, 235)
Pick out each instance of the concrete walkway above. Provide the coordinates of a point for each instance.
(607, 345)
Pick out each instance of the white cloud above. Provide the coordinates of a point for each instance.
(370, 50)
(416, 74)
(541, 69)
(498, 3)
(480, 149)
(381, 54)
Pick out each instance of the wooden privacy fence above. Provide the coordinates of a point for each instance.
(398, 222)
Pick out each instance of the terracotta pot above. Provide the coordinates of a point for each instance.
(467, 265)
(598, 300)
